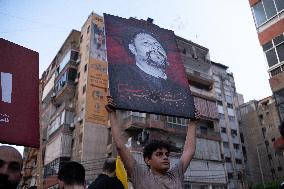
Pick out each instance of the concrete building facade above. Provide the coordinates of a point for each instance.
(259, 123)
(227, 103)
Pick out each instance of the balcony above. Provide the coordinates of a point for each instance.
(206, 130)
(53, 167)
(60, 146)
(62, 121)
(65, 86)
(206, 81)
(204, 93)
(207, 108)
(134, 122)
(166, 123)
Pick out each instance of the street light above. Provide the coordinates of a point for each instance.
(260, 165)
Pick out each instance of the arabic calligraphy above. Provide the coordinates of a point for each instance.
(156, 97)
(4, 118)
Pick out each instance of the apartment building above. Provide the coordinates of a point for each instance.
(259, 123)
(227, 103)
(268, 17)
(74, 122)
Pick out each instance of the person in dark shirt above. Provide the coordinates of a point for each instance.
(107, 180)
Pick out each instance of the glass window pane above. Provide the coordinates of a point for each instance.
(277, 40)
(259, 14)
(267, 46)
(269, 8)
(281, 111)
(279, 5)
(279, 96)
(280, 52)
(271, 57)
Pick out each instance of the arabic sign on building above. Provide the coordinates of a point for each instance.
(19, 95)
(97, 84)
(97, 92)
(145, 68)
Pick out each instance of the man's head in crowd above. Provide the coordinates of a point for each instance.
(109, 167)
(71, 174)
(10, 167)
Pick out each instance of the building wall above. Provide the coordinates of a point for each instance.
(259, 127)
(225, 92)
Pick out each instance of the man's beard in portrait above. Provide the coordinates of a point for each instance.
(161, 60)
(6, 184)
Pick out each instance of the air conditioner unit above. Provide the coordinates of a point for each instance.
(79, 120)
(78, 61)
(71, 105)
(72, 126)
(53, 95)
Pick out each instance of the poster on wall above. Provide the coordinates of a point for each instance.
(97, 92)
(19, 95)
(145, 69)
(98, 42)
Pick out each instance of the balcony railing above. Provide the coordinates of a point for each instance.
(65, 86)
(53, 167)
(209, 134)
(198, 74)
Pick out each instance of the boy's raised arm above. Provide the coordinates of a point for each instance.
(124, 153)
(189, 145)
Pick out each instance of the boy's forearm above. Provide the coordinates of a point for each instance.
(124, 152)
(190, 142)
(189, 145)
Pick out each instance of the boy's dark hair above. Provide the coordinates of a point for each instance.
(72, 173)
(109, 165)
(281, 129)
(153, 146)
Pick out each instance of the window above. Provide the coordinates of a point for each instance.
(84, 89)
(157, 117)
(263, 131)
(226, 144)
(228, 159)
(229, 105)
(269, 156)
(279, 5)
(270, 9)
(230, 175)
(231, 118)
(234, 133)
(265, 10)
(273, 139)
(203, 130)
(85, 68)
(88, 29)
(242, 137)
(275, 71)
(175, 121)
(279, 168)
(238, 161)
(274, 51)
(223, 130)
(236, 146)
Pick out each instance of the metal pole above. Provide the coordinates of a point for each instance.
(260, 167)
